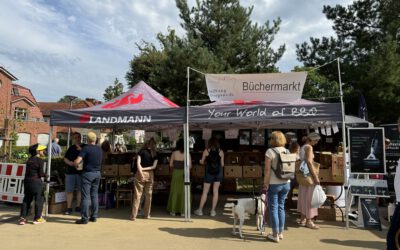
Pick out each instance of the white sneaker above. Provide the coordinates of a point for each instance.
(172, 213)
(198, 212)
(213, 213)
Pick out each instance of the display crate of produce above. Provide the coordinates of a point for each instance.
(337, 168)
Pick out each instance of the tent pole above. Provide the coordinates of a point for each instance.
(347, 208)
(187, 157)
(48, 171)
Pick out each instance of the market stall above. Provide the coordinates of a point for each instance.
(139, 108)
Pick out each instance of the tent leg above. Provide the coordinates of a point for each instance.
(48, 171)
(187, 173)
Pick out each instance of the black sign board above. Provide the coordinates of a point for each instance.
(367, 155)
(393, 150)
(370, 213)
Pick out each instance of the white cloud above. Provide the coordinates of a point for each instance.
(78, 47)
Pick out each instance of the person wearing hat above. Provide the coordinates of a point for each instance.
(92, 156)
(33, 185)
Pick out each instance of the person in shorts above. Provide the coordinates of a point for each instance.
(73, 176)
(211, 178)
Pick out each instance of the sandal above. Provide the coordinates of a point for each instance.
(311, 225)
(302, 222)
(132, 218)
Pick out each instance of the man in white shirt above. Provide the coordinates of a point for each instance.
(393, 236)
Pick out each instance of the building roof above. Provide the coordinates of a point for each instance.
(8, 74)
(47, 107)
(22, 92)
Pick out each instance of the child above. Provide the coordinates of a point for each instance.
(33, 185)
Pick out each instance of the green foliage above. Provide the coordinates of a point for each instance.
(220, 38)
(67, 99)
(114, 90)
(367, 42)
(319, 87)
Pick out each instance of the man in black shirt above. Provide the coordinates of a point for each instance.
(73, 177)
(91, 155)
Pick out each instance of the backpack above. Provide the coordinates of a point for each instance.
(213, 162)
(286, 166)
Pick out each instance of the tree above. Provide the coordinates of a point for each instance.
(367, 43)
(318, 87)
(114, 90)
(220, 38)
(68, 99)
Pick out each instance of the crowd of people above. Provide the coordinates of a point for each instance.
(83, 165)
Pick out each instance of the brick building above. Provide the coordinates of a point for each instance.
(20, 113)
(62, 132)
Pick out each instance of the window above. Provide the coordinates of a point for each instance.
(1, 83)
(20, 113)
(24, 139)
(14, 91)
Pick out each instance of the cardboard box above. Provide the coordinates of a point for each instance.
(254, 171)
(325, 159)
(233, 171)
(57, 208)
(58, 197)
(337, 168)
(325, 175)
(109, 170)
(198, 171)
(327, 213)
(124, 170)
(162, 170)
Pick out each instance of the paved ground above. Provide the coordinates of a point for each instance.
(114, 231)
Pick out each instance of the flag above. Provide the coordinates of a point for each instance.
(362, 107)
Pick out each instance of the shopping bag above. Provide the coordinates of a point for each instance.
(318, 197)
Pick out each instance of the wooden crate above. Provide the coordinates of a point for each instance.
(233, 158)
(252, 158)
(233, 171)
(124, 170)
(198, 171)
(109, 170)
(162, 170)
(254, 171)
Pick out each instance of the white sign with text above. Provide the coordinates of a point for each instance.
(272, 87)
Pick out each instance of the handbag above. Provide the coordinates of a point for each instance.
(305, 180)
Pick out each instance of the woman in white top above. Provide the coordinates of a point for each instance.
(305, 192)
(277, 188)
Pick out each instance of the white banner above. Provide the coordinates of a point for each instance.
(272, 87)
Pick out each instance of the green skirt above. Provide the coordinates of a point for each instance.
(176, 200)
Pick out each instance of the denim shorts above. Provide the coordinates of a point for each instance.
(73, 182)
(208, 178)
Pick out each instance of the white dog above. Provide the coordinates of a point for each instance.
(250, 206)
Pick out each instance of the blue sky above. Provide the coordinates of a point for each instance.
(78, 47)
